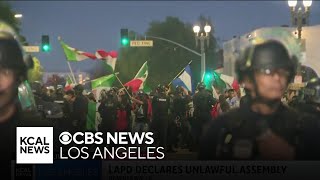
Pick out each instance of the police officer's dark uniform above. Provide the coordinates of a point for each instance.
(80, 109)
(108, 112)
(160, 120)
(141, 113)
(242, 132)
(202, 102)
(12, 66)
(311, 98)
(179, 114)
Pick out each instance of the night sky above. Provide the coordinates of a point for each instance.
(90, 25)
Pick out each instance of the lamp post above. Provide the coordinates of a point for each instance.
(299, 18)
(202, 38)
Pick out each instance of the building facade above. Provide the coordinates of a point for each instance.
(306, 49)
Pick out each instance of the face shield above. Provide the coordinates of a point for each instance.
(26, 98)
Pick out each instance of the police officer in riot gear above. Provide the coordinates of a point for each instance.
(311, 98)
(108, 112)
(203, 102)
(264, 128)
(180, 116)
(80, 109)
(13, 73)
(141, 112)
(160, 120)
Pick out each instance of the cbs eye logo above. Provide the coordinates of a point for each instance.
(65, 138)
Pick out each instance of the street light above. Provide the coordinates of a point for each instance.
(299, 18)
(202, 38)
(307, 3)
(292, 3)
(18, 16)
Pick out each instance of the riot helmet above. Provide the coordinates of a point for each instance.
(266, 57)
(201, 86)
(161, 88)
(312, 91)
(11, 52)
(179, 89)
(141, 94)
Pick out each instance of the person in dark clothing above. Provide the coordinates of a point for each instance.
(264, 129)
(124, 111)
(141, 112)
(160, 120)
(181, 124)
(224, 105)
(311, 98)
(44, 95)
(202, 102)
(108, 112)
(80, 109)
(91, 97)
(68, 109)
(244, 100)
(13, 73)
(59, 95)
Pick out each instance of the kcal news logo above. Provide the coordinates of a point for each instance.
(34, 145)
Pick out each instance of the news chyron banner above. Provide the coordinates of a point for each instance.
(42, 154)
(35, 146)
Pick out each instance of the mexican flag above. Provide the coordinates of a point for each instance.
(69, 85)
(223, 82)
(138, 82)
(93, 117)
(104, 81)
(110, 58)
(73, 54)
(231, 81)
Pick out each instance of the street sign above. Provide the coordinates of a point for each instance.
(145, 43)
(31, 48)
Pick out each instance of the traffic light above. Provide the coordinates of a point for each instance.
(208, 77)
(124, 37)
(45, 43)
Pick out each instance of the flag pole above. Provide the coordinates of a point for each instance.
(122, 84)
(69, 76)
(179, 73)
(74, 79)
(140, 70)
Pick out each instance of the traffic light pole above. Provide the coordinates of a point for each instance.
(164, 39)
(202, 55)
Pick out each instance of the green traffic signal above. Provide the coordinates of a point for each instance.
(208, 76)
(124, 41)
(46, 48)
(124, 35)
(45, 43)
